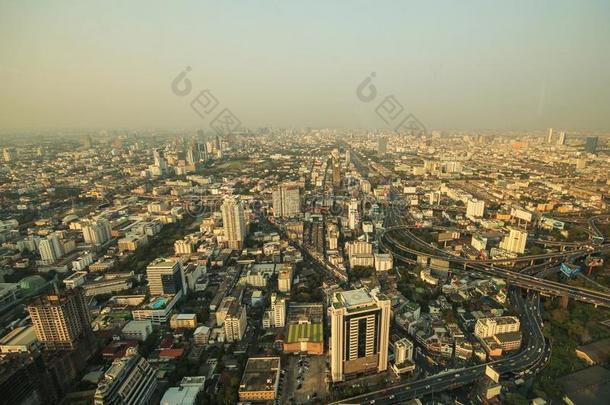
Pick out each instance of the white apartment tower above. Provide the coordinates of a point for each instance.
(353, 215)
(475, 208)
(514, 241)
(50, 249)
(98, 232)
(234, 223)
(287, 201)
(235, 323)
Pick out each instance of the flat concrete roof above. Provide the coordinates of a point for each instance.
(356, 297)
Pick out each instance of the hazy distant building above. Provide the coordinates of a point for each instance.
(382, 145)
(234, 223)
(549, 138)
(286, 201)
(336, 174)
(360, 329)
(591, 144)
(9, 154)
(562, 138)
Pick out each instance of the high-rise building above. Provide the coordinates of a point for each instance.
(235, 322)
(591, 144)
(549, 139)
(336, 174)
(192, 155)
(160, 161)
(475, 208)
(317, 235)
(286, 201)
(129, 380)
(353, 215)
(234, 223)
(403, 350)
(348, 157)
(278, 310)
(382, 145)
(332, 236)
(165, 277)
(50, 249)
(514, 241)
(562, 138)
(60, 320)
(360, 329)
(97, 232)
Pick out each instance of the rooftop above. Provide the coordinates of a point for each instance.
(355, 298)
(260, 374)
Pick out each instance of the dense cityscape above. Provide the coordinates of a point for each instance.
(300, 266)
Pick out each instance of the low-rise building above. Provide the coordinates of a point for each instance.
(157, 309)
(260, 379)
(137, 330)
(186, 393)
(183, 321)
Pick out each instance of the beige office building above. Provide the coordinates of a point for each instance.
(360, 329)
(60, 320)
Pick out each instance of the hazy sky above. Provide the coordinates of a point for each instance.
(454, 64)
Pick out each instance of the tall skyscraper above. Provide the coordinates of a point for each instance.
(591, 144)
(233, 222)
(286, 201)
(360, 331)
(562, 138)
(129, 380)
(549, 139)
(60, 320)
(514, 241)
(165, 277)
